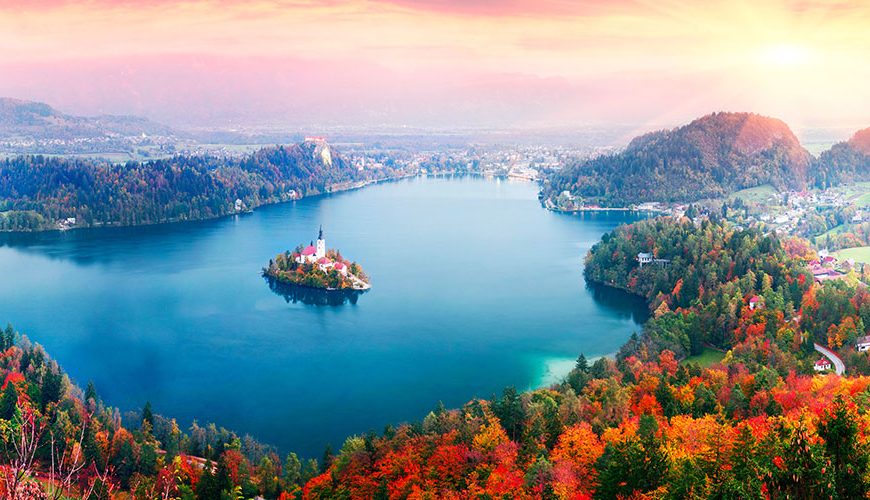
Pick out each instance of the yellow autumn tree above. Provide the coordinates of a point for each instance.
(662, 309)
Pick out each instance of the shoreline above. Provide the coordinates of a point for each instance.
(308, 287)
(278, 278)
(330, 190)
(614, 287)
(604, 209)
(555, 369)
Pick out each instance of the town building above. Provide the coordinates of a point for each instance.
(862, 343)
(822, 365)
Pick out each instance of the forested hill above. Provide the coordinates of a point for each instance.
(36, 192)
(845, 162)
(710, 157)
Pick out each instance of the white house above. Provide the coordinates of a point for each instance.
(644, 258)
(862, 343)
(822, 365)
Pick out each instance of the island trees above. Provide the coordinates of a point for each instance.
(329, 272)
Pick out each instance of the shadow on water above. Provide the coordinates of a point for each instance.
(106, 244)
(313, 296)
(624, 304)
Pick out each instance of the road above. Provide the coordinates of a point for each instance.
(839, 367)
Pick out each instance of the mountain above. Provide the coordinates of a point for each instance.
(845, 162)
(710, 157)
(36, 127)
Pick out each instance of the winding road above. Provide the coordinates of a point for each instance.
(839, 367)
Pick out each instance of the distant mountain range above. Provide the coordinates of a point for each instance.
(28, 127)
(35, 127)
(710, 157)
(38, 119)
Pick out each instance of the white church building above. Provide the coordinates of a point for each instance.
(316, 253)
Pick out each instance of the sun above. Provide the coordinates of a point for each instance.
(784, 54)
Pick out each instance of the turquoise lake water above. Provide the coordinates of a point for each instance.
(475, 287)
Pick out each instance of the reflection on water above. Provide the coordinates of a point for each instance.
(313, 296)
(624, 304)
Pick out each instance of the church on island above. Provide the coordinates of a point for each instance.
(316, 253)
(315, 266)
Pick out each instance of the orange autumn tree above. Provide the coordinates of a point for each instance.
(574, 460)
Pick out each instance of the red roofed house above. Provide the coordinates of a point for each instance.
(754, 302)
(324, 263)
(822, 365)
(340, 267)
(827, 274)
(307, 255)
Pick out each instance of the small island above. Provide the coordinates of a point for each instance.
(316, 267)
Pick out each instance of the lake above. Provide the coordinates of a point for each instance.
(474, 287)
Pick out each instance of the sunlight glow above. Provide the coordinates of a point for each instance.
(784, 54)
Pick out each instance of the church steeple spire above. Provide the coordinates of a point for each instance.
(320, 236)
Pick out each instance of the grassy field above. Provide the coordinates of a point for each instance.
(842, 228)
(857, 193)
(860, 254)
(863, 200)
(707, 358)
(760, 194)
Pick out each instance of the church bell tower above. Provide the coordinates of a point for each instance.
(321, 244)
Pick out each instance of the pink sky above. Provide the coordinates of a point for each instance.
(440, 63)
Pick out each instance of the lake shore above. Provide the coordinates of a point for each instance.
(330, 190)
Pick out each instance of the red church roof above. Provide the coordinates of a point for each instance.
(323, 260)
(309, 250)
